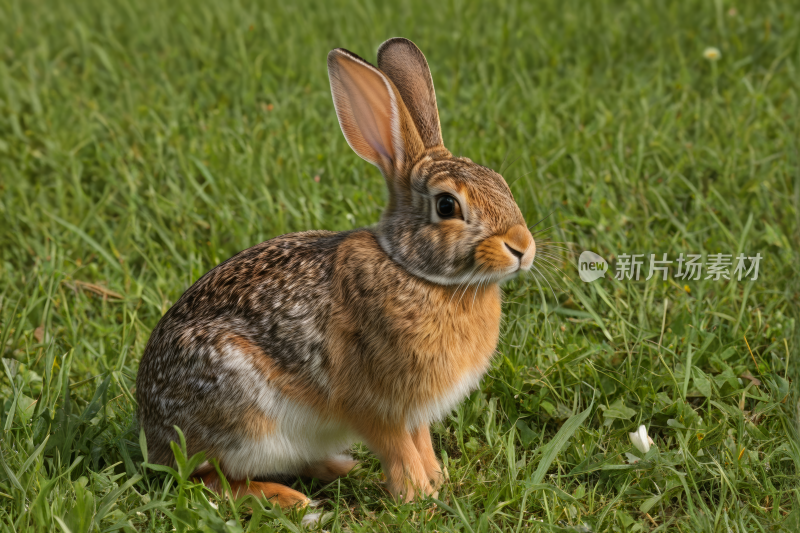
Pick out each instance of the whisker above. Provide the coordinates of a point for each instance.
(562, 242)
(542, 219)
(466, 287)
(550, 248)
(549, 262)
(541, 292)
(513, 162)
(482, 283)
(456, 291)
(544, 298)
(478, 288)
(556, 258)
(504, 160)
(543, 235)
(556, 243)
(503, 168)
(548, 242)
(549, 270)
(548, 283)
(549, 239)
(552, 252)
(553, 245)
(543, 230)
(559, 255)
(557, 268)
(519, 178)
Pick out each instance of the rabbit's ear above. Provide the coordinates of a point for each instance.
(406, 66)
(370, 112)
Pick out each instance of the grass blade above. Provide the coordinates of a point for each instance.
(552, 448)
(10, 474)
(90, 241)
(33, 457)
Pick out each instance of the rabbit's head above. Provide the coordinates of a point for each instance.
(448, 220)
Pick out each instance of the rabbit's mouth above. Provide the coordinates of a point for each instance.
(506, 255)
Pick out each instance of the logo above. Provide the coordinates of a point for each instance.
(591, 266)
(691, 267)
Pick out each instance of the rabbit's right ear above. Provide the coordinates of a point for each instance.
(406, 66)
(371, 114)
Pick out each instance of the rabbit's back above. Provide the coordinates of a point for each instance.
(247, 337)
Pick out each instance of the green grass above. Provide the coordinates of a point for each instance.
(143, 142)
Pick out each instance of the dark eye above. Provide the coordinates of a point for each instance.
(446, 206)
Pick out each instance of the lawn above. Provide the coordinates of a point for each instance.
(142, 142)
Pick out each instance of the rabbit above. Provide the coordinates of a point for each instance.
(279, 359)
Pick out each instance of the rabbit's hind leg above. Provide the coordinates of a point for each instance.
(276, 493)
(330, 469)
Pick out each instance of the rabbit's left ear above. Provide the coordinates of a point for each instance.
(372, 115)
(406, 66)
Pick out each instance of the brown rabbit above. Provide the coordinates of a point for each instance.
(278, 359)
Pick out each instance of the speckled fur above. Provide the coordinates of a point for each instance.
(281, 357)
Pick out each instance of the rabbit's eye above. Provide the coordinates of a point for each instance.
(447, 206)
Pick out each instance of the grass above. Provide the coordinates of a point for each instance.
(143, 142)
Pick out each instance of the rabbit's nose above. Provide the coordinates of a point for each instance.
(516, 253)
(519, 242)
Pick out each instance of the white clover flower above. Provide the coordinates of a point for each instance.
(311, 519)
(712, 54)
(314, 520)
(641, 440)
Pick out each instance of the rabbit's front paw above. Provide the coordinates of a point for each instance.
(410, 490)
(404, 467)
(436, 477)
(408, 480)
(424, 446)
